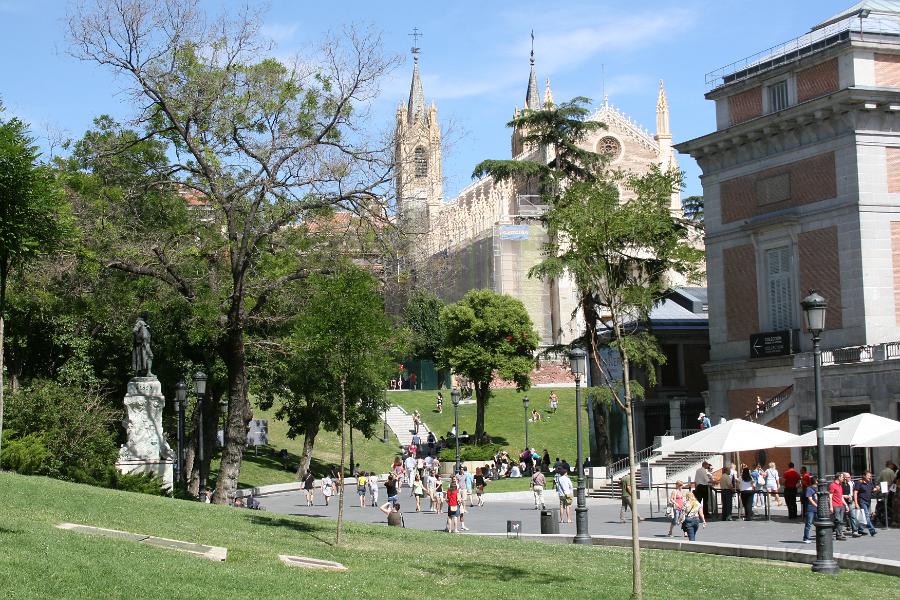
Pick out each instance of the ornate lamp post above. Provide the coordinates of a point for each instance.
(200, 388)
(180, 401)
(454, 397)
(814, 307)
(577, 360)
(525, 406)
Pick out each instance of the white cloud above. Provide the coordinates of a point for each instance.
(279, 32)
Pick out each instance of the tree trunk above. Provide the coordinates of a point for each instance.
(637, 593)
(239, 413)
(482, 389)
(601, 410)
(340, 519)
(4, 271)
(309, 440)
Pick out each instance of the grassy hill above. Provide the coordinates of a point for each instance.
(505, 419)
(38, 561)
(264, 467)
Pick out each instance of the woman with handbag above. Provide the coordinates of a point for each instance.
(675, 507)
(692, 516)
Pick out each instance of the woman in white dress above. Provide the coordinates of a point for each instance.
(772, 479)
(327, 488)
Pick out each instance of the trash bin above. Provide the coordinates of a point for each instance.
(550, 521)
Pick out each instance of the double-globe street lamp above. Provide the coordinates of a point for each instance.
(200, 388)
(180, 401)
(577, 361)
(454, 397)
(814, 306)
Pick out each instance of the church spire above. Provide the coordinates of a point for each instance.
(416, 108)
(662, 113)
(548, 95)
(532, 97)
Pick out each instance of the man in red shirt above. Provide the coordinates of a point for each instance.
(791, 479)
(805, 483)
(838, 506)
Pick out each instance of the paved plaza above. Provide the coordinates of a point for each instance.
(603, 520)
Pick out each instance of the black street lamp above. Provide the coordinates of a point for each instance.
(525, 406)
(180, 401)
(577, 360)
(454, 397)
(200, 388)
(814, 307)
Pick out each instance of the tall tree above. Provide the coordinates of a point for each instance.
(554, 134)
(34, 218)
(422, 315)
(258, 143)
(624, 256)
(486, 332)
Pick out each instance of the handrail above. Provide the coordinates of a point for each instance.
(770, 403)
(621, 464)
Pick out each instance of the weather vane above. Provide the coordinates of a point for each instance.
(416, 34)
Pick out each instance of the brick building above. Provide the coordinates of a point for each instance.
(802, 190)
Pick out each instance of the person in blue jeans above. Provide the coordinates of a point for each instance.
(862, 498)
(693, 515)
(811, 502)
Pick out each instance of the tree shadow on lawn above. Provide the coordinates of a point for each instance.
(267, 457)
(300, 527)
(506, 573)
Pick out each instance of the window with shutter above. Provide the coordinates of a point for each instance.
(779, 288)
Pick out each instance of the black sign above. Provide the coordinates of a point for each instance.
(772, 343)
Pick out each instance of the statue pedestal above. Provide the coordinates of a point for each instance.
(146, 450)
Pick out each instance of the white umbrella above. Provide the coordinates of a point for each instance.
(736, 435)
(889, 439)
(854, 431)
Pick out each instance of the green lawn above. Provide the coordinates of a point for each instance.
(38, 561)
(264, 467)
(505, 419)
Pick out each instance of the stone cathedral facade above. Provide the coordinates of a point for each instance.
(490, 235)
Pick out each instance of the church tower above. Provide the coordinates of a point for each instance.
(417, 150)
(663, 137)
(532, 102)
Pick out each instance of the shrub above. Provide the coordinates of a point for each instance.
(474, 452)
(61, 431)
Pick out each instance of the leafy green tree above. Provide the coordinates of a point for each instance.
(422, 316)
(693, 210)
(258, 143)
(624, 256)
(340, 352)
(486, 332)
(556, 133)
(34, 219)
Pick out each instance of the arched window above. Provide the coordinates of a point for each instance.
(421, 161)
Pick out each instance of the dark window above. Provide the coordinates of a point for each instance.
(669, 372)
(421, 161)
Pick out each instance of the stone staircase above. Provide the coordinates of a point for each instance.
(401, 423)
(678, 465)
(772, 407)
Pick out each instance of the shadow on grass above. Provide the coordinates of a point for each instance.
(506, 573)
(5, 530)
(313, 531)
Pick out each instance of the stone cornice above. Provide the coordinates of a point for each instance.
(804, 124)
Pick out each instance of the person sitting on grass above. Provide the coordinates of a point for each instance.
(536, 416)
(394, 516)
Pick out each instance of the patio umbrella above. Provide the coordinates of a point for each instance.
(736, 435)
(854, 431)
(885, 440)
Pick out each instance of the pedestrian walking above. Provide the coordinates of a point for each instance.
(728, 486)
(453, 507)
(308, 487)
(747, 488)
(372, 484)
(675, 505)
(390, 488)
(418, 491)
(327, 488)
(862, 501)
(361, 488)
(538, 481)
(480, 482)
(838, 505)
(772, 479)
(811, 505)
(627, 497)
(693, 516)
(701, 483)
(564, 489)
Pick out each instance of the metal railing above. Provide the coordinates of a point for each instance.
(768, 404)
(849, 354)
(622, 464)
(802, 46)
(892, 350)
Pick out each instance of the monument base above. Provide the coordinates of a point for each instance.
(160, 468)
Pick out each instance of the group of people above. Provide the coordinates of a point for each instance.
(850, 500)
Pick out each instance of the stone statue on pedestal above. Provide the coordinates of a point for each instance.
(146, 450)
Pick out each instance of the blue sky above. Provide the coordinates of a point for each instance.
(474, 60)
